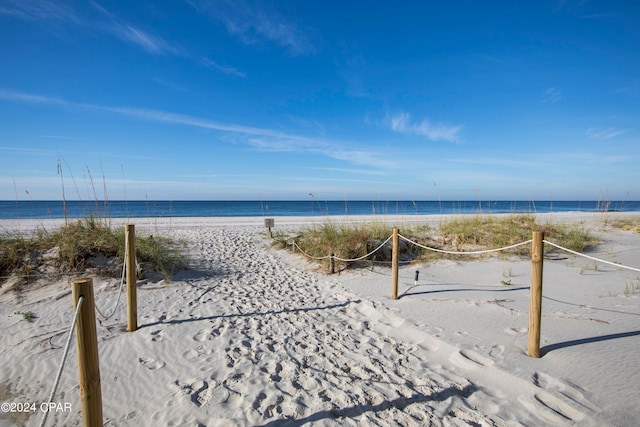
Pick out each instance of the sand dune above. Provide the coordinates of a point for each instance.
(255, 336)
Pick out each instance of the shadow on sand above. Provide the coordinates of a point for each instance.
(162, 320)
(551, 347)
(482, 289)
(357, 410)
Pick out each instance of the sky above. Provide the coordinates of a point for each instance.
(334, 100)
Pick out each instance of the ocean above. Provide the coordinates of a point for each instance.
(44, 209)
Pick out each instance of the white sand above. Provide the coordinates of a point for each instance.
(256, 336)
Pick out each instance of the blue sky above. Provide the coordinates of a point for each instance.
(264, 100)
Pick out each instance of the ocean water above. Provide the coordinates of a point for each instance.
(43, 209)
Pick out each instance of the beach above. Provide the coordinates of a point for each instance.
(251, 335)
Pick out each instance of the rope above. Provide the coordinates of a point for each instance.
(309, 256)
(592, 258)
(365, 256)
(465, 253)
(342, 259)
(115, 306)
(64, 359)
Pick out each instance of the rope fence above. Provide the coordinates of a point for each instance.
(63, 360)
(591, 257)
(84, 324)
(461, 253)
(481, 252)
(122, 276)
(537, 257)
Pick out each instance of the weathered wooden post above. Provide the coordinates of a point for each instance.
(132, 298)
(268, 223)
(332, 264)
(535, 305)
(87, 343)
(394, 265)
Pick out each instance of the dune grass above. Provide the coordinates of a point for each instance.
(78, 240)
(463, 233)
(626, 224)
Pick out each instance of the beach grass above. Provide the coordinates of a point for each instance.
(346, 241)
(462, 233)
(626, 224)
(78, 240)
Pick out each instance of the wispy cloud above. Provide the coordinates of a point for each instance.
(27, 150)
(53, 12)
(30, 98)
(552, 95)
(46, 11)
(604, 133)
(402, 123)
(353, 171)
(307, 123)
(264, 139)
(132, 34)
(38, 10)
(147, 41)
(224, 69)
(253, 22)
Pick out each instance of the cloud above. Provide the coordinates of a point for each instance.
(38, 10)
(253, 22)
(27, 150)
(224, 69)
(134, 35)
(435, 132)
(149, 42)
(259, 138)
(552, 95)
(31, 99)
(608, 133)
(46, 11)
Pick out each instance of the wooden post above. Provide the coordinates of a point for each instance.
(132, 299)
(332, 264)
(535, 306)
(394, 265)
(87, 343)
(269, 222)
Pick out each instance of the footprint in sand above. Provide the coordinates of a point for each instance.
(496, 351)
(516, 331)
(551, 409)
(325, 395)
(258, 401)
(202, 335)
(198, 391)
(201, 394)
(197, 353)
(150, 363)
(157, 336)
(549, 383)
(469, 359)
